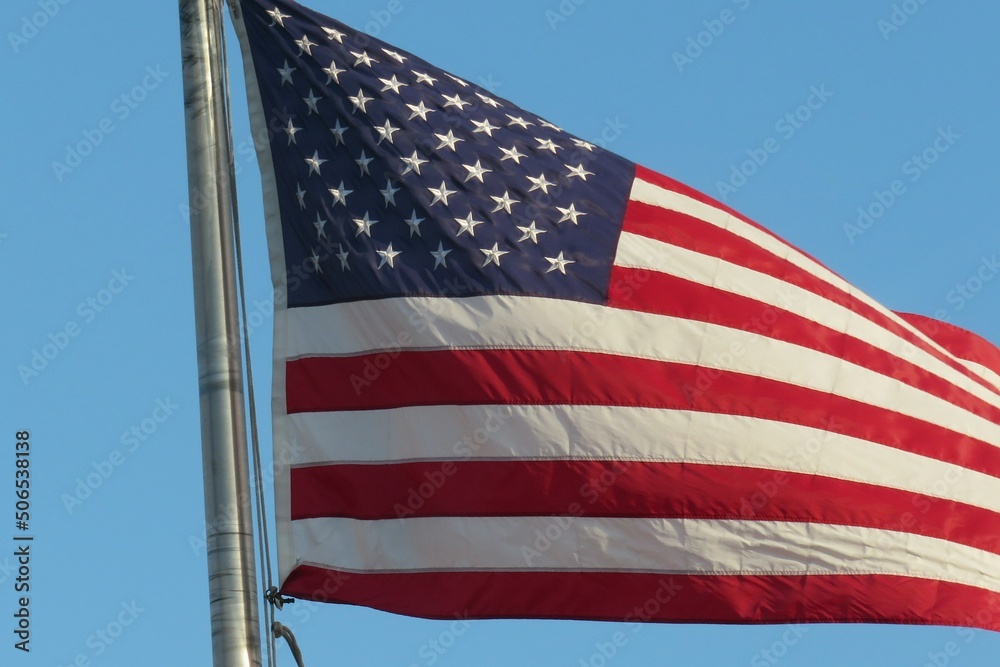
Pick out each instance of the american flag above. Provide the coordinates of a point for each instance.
(517, 375)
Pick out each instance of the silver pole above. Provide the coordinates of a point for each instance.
(231, 566)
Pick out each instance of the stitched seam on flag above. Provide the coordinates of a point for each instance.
(751, 338)
(821, 272)
(707, 462)
(880, 339)
(693, 573)
(803, 535)
(699, 365)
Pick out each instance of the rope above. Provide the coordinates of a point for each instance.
(263, 542)
(278, 630)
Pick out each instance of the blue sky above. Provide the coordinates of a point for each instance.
(878, 124)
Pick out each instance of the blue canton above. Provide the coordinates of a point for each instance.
(395, 178)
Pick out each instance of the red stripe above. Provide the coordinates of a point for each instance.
(963, 344)
(663, 294)
(667, 183)
(539, 377)
(627, 489)
(694, 234)
(636, 597)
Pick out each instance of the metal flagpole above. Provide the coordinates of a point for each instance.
(229, 540)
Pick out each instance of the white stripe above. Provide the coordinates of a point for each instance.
(675, 546)
(639, 252)
(555, 324)
(655, 195)
(276, 251)
(982, 371)
(455, 433)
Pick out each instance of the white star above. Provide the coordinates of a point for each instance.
(314, 162)
(360, 101)
(315, 262)
(332, 34)
(455, 101)
(388, 257)
(448, 140)
(320, 224)
(484, 126)
(340, 194)
(301, 194)
(476, 171)
(467, 224)
(547, 145)
(460, 82)
(530, 232)
(584, 144)
(385, 132)
(558, 263)
(333, 72)
(570, 214)
(488, 100)
(392, 54)
(363, 57)
(311, 102)
(286, 73)
(342, 256)
(393, 84)
(441, 194)
(389, 193)
(540, 183)
(517, 120)
(365, 225)
(579, 171)
(419, 110)
(424, 78)
(413, 163)
(278, 17)
(549, 125)
(512, 154)
(363, 163)
(504, 203)
(290, 131)
(338, 131)
(305, 46)
(440, 256)
(493, 254)
(414, 224)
